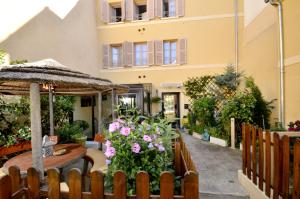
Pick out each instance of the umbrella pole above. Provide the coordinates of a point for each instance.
(36, 128)
(51, 111)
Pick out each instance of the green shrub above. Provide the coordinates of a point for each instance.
(203, 109)
(68, 131)
(84, 125)
(133, 147)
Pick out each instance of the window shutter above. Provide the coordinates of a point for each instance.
(104, 11)
(182, 51)
(180, 8)
(150, 9)
(123, 8)
(121, 61)
(127, 53)
(159, 52)
(158, 8)
(129, 9)
(150, 53)
(105, 53)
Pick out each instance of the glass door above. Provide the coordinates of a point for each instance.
(170, 107)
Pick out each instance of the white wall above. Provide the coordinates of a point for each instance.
(252, 8)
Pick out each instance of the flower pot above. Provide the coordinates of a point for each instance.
(80, 140)
(218, 141)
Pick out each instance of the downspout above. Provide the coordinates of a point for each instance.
(236, 30)
(278, 3)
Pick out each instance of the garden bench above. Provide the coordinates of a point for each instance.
(95, 157)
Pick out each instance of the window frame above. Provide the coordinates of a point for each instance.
(113, 6)
(171, 60)
(120, 55)
(141, 53)
(174, 15)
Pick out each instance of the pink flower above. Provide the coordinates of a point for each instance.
(107, 161)
(147, 138)
(125, 131)
(113, 127)
(108, 143)
(136, 148)
(161, 148)
(110, 152)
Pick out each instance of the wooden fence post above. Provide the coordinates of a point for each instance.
(254, 170)
(244, 148)
(5, 187)
(248, 150)
(97, 185)
(261, 160)
(232, 126)
(285, 166)
(268, 164)
(177, 159)
(33, 180)
(14, 173)
(167, 185)
(53, 184)
(142, 185)
(277, 163)
(296, 186)
(191, 185)
(74, 177)
(120, 190)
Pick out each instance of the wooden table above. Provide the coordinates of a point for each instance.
(24, 161)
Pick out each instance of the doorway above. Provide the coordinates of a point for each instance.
(171, 108)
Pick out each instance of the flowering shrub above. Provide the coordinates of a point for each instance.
(132, 147)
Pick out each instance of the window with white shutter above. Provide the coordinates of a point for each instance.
(170, 52)
(182, 51)
(105, 55)
(127, 53)
(129, 8)
(158, 8)
(141, 54)
(158, 53)
(150, 53)
(115, 12)
(151, 9)
(116, 56)
(104, 11)
(140, 7)
(169, 8)
(180, 8)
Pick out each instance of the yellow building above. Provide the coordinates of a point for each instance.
(158, 44)
(154, 46)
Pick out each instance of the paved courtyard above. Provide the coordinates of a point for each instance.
(217, 168)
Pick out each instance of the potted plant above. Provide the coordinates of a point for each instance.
(79, 138)
(155, 100)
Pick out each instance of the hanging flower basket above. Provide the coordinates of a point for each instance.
(23, 146)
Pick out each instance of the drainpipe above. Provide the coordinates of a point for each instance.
(278, 4)
(236, 30)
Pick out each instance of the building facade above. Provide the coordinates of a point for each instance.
(159, 44)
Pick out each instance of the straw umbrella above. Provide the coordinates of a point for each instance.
(38, 78)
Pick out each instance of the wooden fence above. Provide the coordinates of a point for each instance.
(13, 187)
(267, 159)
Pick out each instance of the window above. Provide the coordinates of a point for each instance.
(141, 54)
(87, 101)
(116, 55)
(115, 13)
(140, 10)
(170, 52)
(169, 8)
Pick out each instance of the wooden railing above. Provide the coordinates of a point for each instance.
(13, 187)
(266, 161)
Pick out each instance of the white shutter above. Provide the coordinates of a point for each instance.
(105, 55)
(123, 8)
(150, 53)
(158, 8)
(150, 9)
(180, 8)
(129, 10)
(127, 53)
(104, 11)
(159, 52)
(182, 51)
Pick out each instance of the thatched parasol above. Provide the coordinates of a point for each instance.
(43, 77)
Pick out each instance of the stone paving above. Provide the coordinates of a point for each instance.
(217, 168)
